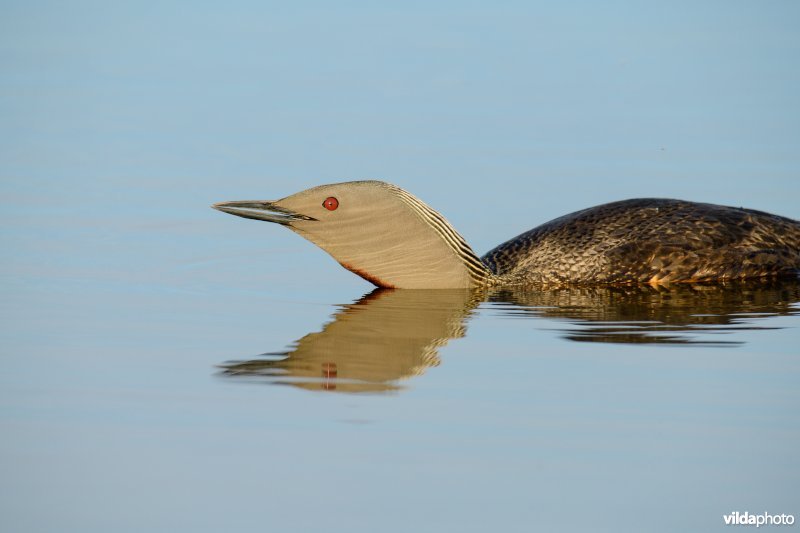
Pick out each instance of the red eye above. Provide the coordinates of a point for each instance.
(330, 203)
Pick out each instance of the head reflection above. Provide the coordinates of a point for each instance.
(372, 344)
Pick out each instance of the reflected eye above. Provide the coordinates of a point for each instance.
(330, 203)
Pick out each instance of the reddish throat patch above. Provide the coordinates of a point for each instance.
(369, 277)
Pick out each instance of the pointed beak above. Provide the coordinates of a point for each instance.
(261, 210)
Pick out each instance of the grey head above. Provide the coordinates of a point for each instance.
(376, 230)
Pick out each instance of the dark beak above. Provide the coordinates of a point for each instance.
(261, 210)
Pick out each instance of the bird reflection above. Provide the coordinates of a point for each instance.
(677, 314)
(386, 336)
(391, 335)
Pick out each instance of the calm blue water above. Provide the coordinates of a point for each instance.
(134, 395)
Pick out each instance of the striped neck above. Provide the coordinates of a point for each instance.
(477, 272)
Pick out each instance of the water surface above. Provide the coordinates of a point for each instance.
(400, 409)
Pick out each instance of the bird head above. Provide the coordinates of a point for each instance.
(376, 230)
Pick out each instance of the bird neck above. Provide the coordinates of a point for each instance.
(446, 248)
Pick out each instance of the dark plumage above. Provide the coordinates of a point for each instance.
(650, 241)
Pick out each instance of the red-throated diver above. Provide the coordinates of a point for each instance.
(392, 239)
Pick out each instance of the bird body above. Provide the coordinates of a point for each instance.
(392, 239)
(650, 240)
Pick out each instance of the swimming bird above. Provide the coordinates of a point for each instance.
(393, 239)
